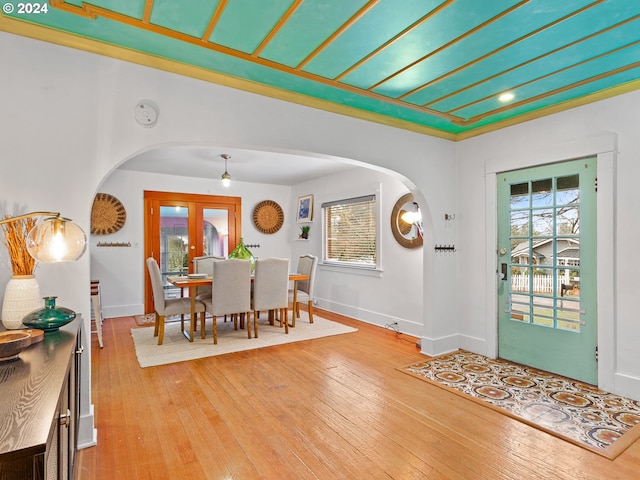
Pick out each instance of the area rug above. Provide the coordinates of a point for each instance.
(577, 412)
(176, 348)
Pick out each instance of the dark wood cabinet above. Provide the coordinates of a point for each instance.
(39, 408)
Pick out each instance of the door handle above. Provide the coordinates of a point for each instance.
(503, 272)
(65, 418)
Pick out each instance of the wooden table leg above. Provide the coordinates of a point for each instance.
(192, 323)
(295, 303)
(192, 320)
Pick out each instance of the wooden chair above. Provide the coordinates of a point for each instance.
(231, 293)
(307, 265)
(270, 290)
(167, 306)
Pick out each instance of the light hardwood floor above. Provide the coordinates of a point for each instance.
(332, 408)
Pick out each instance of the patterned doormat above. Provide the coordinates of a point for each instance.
(150, 319)
(145, 319)
(577, 412)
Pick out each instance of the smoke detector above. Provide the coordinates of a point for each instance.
(146, 113)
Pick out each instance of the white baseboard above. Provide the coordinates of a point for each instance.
(122, 310)
(408, 327)
(439, 346)
(627, 386)
(474, 344)
(87, 434)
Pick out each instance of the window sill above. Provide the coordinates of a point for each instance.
(366, 271)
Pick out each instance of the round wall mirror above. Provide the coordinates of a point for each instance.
(406, 222)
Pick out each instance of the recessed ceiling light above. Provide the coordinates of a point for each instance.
(506, 97)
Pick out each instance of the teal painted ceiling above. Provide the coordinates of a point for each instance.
(433, 65)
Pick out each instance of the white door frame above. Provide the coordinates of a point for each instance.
(605, 148)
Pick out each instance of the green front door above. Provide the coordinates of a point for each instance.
(547, 268)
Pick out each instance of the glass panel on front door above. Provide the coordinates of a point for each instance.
(544, 255)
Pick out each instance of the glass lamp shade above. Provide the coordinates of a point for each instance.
(226, 179)
(412, 216)
(56, 240)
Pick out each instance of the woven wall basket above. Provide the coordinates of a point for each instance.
(268, 216)
(108, 215)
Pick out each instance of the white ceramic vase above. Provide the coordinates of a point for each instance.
(21, 296)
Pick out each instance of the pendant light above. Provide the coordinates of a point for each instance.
(226, 178)
(54, 239)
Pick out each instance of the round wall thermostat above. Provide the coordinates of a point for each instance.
(146, 113)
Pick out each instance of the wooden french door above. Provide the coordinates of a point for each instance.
(181, 226)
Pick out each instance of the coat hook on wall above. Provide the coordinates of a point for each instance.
(113, 244)
(449, 216)
(445, 248)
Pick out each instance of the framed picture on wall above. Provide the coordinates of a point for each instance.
(305, 208)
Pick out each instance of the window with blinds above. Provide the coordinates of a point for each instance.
(349, 231)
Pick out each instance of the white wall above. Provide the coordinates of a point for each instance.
(392, 295)
(609, 129)
(66, 123)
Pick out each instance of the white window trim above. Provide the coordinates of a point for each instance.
(351, 268)
(368, 270)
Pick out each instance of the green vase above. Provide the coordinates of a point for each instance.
(50, 318)
(243, 253)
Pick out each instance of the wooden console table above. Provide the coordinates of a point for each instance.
(39, 408)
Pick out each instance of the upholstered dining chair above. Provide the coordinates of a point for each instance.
(270, 290)
(168, 306)
(231, 293)
(204, 264)
(307, 265)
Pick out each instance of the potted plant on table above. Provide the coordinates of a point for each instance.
(22, 293)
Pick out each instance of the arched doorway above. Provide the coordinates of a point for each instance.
(404, 276)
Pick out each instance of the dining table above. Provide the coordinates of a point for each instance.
(193, 281)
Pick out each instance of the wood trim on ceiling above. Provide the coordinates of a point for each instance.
(394, 39)
(38, 32)
(449, 44)
(215, 18)
(503, 48)
(93, 11)
(57, 37)
(520, 65)
(542, 96)
(148, 8)
(546, 111)
(274, 31)
(354, 18)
